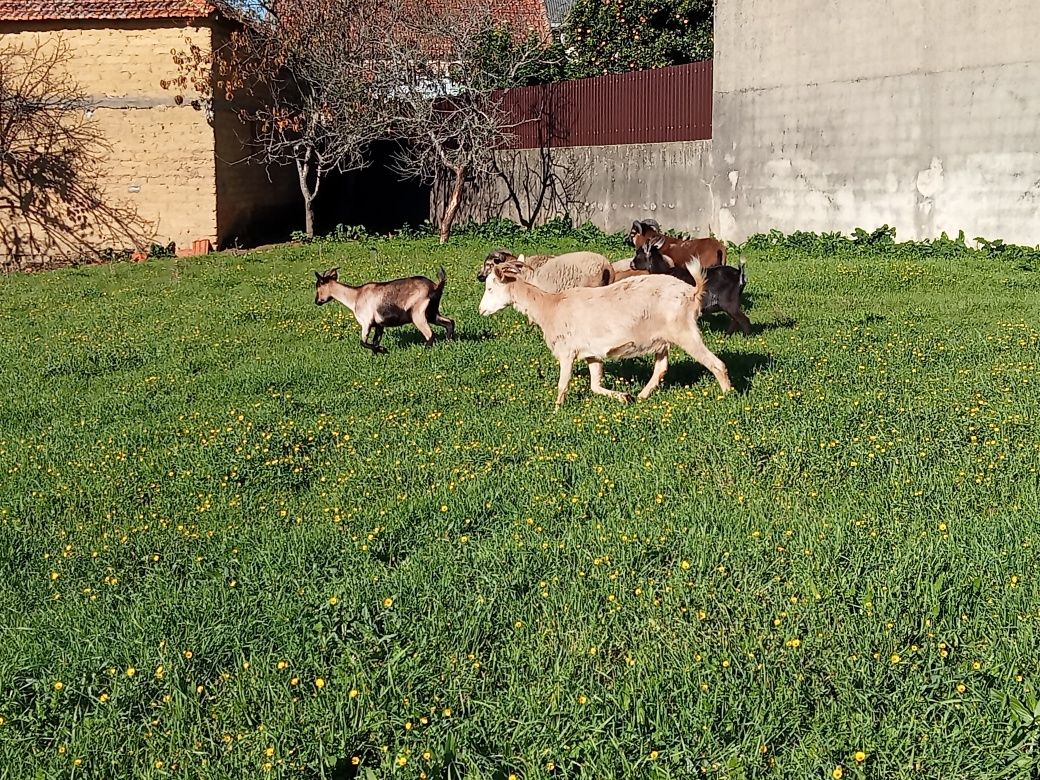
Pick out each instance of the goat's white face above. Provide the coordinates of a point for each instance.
(496, 295)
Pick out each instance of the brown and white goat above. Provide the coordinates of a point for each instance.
(710, 251)
(633, 317)
(379, 305)
(554, 273)
(725, 284)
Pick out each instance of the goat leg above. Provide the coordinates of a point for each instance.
(419, 320)
(374, 345)
(596, 380)
(660, 369)
(566, 367)
(694, 347)
(738, 318)
(448, 325)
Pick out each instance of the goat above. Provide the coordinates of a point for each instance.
(631, 318)
(623, 270)
(710, 251)
(379, 305)
(554, 274)
(724, 282)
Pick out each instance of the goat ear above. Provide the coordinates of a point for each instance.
(318, 276)
(332, 273)
(637, 228)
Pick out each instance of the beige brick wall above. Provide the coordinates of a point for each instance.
(163, 151)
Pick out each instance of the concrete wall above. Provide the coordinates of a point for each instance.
(608, 185)
(922, 114)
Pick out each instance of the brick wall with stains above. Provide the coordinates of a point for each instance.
(185, 173)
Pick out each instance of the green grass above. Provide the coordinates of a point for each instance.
(204, 478)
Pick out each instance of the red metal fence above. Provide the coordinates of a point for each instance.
(648, 106)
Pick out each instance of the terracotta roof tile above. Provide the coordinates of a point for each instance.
(53, 10)
(522, 15)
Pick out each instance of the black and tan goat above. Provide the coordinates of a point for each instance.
(710, 251)
(379, 305)
(630, 318)
(724, 282)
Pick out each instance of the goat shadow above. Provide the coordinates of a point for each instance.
(718, 322)
(411, 337)
(741, 366)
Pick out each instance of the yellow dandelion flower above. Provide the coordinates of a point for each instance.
(402, 760)
(54, 575)
(58, 685)
(294, 681)
(388, 602)
(319, 683)
(334, 601)
(961, 688)
(188, 654)
(837, 773)
(860, 756)
(653, 755)
(446, 712)
(685, 565)
(896, 658)
(130, 671)
(353, 693)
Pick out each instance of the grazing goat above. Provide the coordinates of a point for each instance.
(379, 305)
(725, 283)
(553, 274)
(710, 251)
(631, 318)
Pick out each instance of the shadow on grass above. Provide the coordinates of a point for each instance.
(718, 322)
(742, 367)
(410, 337)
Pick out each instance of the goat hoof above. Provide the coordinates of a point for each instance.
(627, 398)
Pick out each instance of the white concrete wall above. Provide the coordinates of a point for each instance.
(608, 185)
(837, 114)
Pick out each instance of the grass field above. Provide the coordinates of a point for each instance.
(235, 544)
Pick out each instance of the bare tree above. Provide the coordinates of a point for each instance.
(51, 163)
(306, 67)
(448, 100)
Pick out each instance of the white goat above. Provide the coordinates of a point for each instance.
(634, 317)
(553, 274)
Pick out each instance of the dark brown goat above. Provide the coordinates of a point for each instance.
(379, 305)
(724, 282)
(710, 251)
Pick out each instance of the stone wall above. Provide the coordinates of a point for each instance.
(923, 115)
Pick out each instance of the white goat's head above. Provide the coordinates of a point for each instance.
(497, 294)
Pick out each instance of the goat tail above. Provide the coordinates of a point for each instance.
(697, 272)
(743, 274)
(441, 279)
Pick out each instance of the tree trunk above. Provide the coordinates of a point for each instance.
(308, 215)
(304, 168)
(448, 220)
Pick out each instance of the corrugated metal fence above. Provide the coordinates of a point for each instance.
(649, 106)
